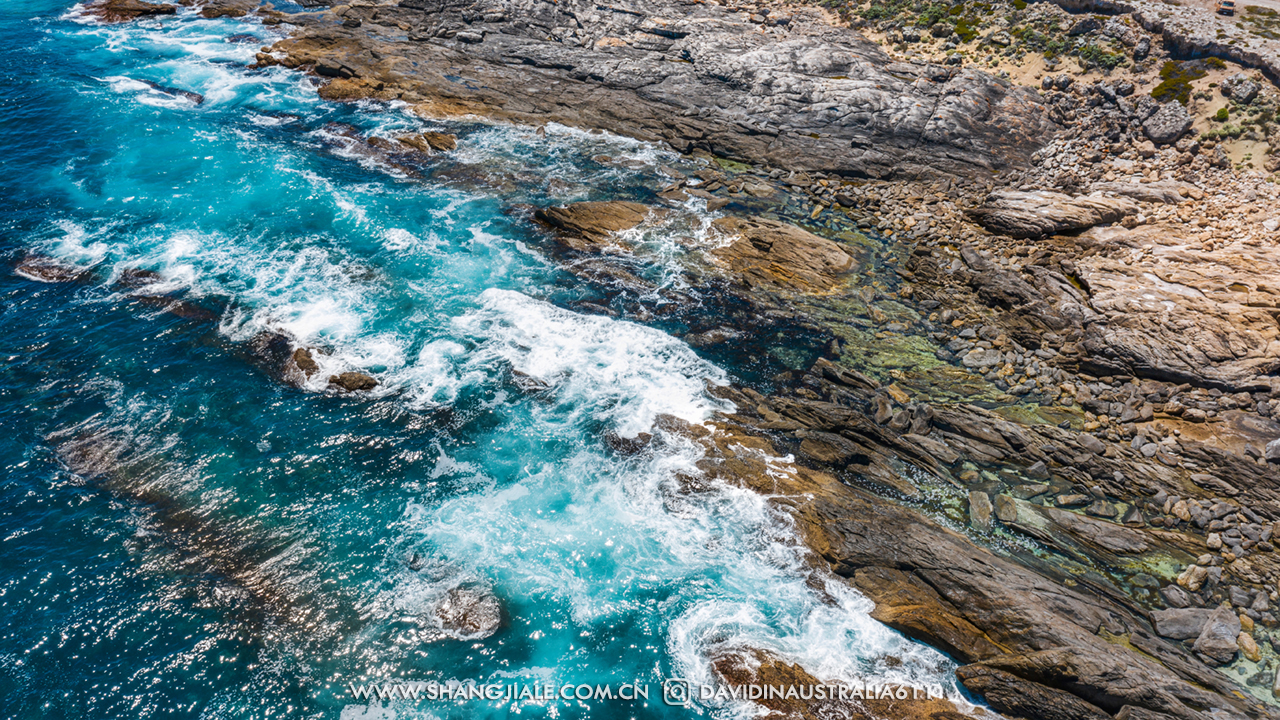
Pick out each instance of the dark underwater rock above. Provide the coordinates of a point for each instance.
(352, 382)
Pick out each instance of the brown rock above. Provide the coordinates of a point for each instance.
(749, 666)
(1017, 697)
(771, 255)
(114, 11)
(353, 381)
(430, 141)
(305, 362)
(591, 227)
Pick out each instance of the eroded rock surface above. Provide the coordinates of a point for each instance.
(114, 11)
(797, 93)
(1029, 214)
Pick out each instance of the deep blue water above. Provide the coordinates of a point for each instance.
(244, 547)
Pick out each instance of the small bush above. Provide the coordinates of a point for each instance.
(1175, 81)
(1222, 115)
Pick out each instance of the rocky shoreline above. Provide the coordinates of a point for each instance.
(1039, 428)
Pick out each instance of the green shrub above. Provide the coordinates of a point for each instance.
(1175, 81)
(1222, 115)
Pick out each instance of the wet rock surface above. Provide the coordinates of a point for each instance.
(114, 11)
(470, 613)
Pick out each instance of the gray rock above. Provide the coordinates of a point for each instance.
(1091, 443)
(1272, 451)
(980, 510)
(1175, 596)
(1241, 88)
(806, 95)
(1181, 623)
(1217, 642)
(1023, 214)
(1168, 123)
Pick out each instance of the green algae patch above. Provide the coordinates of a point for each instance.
(1032, 414)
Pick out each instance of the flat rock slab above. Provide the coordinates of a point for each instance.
(1181, 623)
(774, 255)
(1039, 213)
(592, 226)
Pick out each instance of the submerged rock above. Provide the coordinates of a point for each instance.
(193, 97)
(1168, 123)
(47, 270)
(470, 613)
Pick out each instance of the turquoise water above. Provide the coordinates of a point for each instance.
(184, 533)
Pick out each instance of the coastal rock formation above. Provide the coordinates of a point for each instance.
(767, 254)
(114, 11)
(1020, 634)
(593, 226)
(352, 382)
(792, 90)
(738, 667)
(1020, 214)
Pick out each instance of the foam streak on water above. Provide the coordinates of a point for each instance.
(186, 535)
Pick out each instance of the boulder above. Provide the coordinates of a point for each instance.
(1181, 624)
(592, 227)
(1032, 214)
(1272, 451)
(1168, 123)
(1219, 640)
(1241, 88)
(980, 510)
(772, 255)
(352, 382)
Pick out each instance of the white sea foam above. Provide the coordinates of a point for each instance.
(619, 372)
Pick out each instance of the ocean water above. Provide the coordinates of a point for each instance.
(184, 533)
